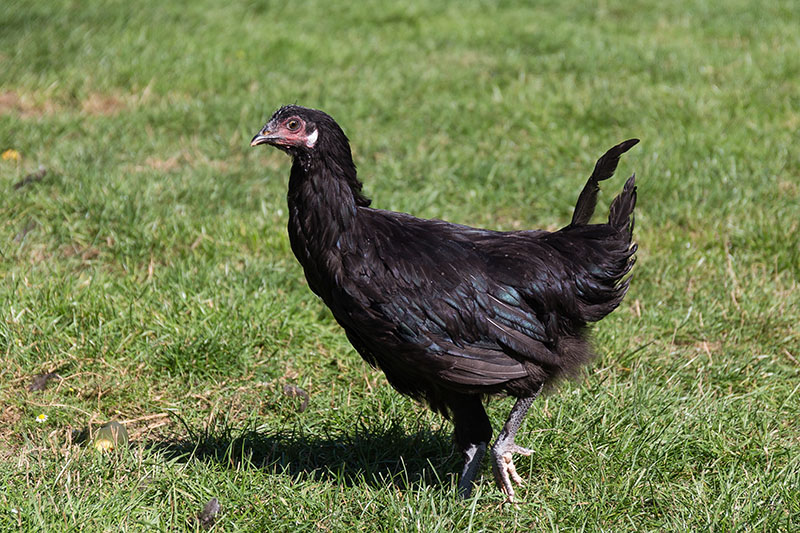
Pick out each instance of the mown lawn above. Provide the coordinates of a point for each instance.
(144, 259)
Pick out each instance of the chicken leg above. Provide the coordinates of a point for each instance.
(502, 462)
(473, 455)
(473, 431)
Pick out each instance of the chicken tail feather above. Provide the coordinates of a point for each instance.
(603, 169)
(620, 214)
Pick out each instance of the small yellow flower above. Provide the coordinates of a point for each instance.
(11, 155)
(41, 418)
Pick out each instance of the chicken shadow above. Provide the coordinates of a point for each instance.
(378, 455)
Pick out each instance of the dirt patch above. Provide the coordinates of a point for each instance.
(102, 104)
(12, 103)
(9, 102)
(27, 106)
(788, 187)
(85, 253)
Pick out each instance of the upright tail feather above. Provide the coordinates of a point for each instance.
(603, 169)
(620, 214)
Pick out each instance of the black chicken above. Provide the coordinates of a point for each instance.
(452, 313)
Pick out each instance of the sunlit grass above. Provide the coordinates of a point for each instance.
(144, 259)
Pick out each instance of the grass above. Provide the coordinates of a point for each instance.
(150, 268)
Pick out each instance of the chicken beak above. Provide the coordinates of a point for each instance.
(267, 135)
(263, 136)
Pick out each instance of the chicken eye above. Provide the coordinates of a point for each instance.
(293, 124)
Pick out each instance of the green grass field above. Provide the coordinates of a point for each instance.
(149, 264)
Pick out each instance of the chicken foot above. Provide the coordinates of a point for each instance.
(504, 447)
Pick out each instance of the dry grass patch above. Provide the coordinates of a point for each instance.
(33, 105)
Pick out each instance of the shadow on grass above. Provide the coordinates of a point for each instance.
(375, 455)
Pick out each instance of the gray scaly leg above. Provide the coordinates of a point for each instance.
(504, 447)
(473, 431)
(473, 455)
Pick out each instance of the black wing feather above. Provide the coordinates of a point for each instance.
(513, 295)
